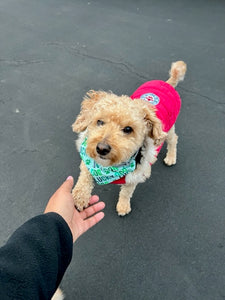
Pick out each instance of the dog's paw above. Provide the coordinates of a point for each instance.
(81, 198)
(123, 208)
(170, 160)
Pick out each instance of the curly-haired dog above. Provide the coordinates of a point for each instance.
(120, 136)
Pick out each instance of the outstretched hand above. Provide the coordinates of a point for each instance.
(79, 222)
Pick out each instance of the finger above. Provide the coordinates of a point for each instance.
(91, 210)
(67, 185)
(93, 199)
(90, 222)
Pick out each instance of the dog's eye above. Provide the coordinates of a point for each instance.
(100, 123)
(127, 129)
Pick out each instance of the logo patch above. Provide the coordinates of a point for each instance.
(151, 98)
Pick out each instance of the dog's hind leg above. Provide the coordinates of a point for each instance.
(177, 73)
(171, 156)
(123, 206)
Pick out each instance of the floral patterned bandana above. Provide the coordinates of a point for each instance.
(105, 175)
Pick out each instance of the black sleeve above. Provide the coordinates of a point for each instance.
(35, 258)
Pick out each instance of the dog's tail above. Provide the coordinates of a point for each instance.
(177, 72)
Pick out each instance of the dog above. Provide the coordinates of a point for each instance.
(58, 295)
(120, 136)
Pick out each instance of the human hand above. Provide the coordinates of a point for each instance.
(79, 222)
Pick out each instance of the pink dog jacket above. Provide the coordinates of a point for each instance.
(167, 102)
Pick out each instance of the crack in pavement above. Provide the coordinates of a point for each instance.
(21, 62)
(201, 95)
(124, 66)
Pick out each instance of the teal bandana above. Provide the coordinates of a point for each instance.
(105, 175)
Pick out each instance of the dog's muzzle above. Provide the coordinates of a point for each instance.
(103, 149)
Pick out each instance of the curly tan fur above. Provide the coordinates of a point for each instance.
(58, 295)
(103, 118)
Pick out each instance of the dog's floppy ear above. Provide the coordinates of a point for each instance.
(84, 118)
(154, 126)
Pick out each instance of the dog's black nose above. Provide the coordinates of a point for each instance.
(103, 149)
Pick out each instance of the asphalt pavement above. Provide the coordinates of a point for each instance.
(172, 245)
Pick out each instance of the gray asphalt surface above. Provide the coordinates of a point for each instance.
(172, 245)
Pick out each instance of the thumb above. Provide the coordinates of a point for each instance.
(67, 185)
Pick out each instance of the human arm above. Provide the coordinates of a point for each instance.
(35, 258)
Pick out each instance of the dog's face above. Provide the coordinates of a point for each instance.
(116, 126)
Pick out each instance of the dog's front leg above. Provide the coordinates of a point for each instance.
(83, 188)
(123, 205)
